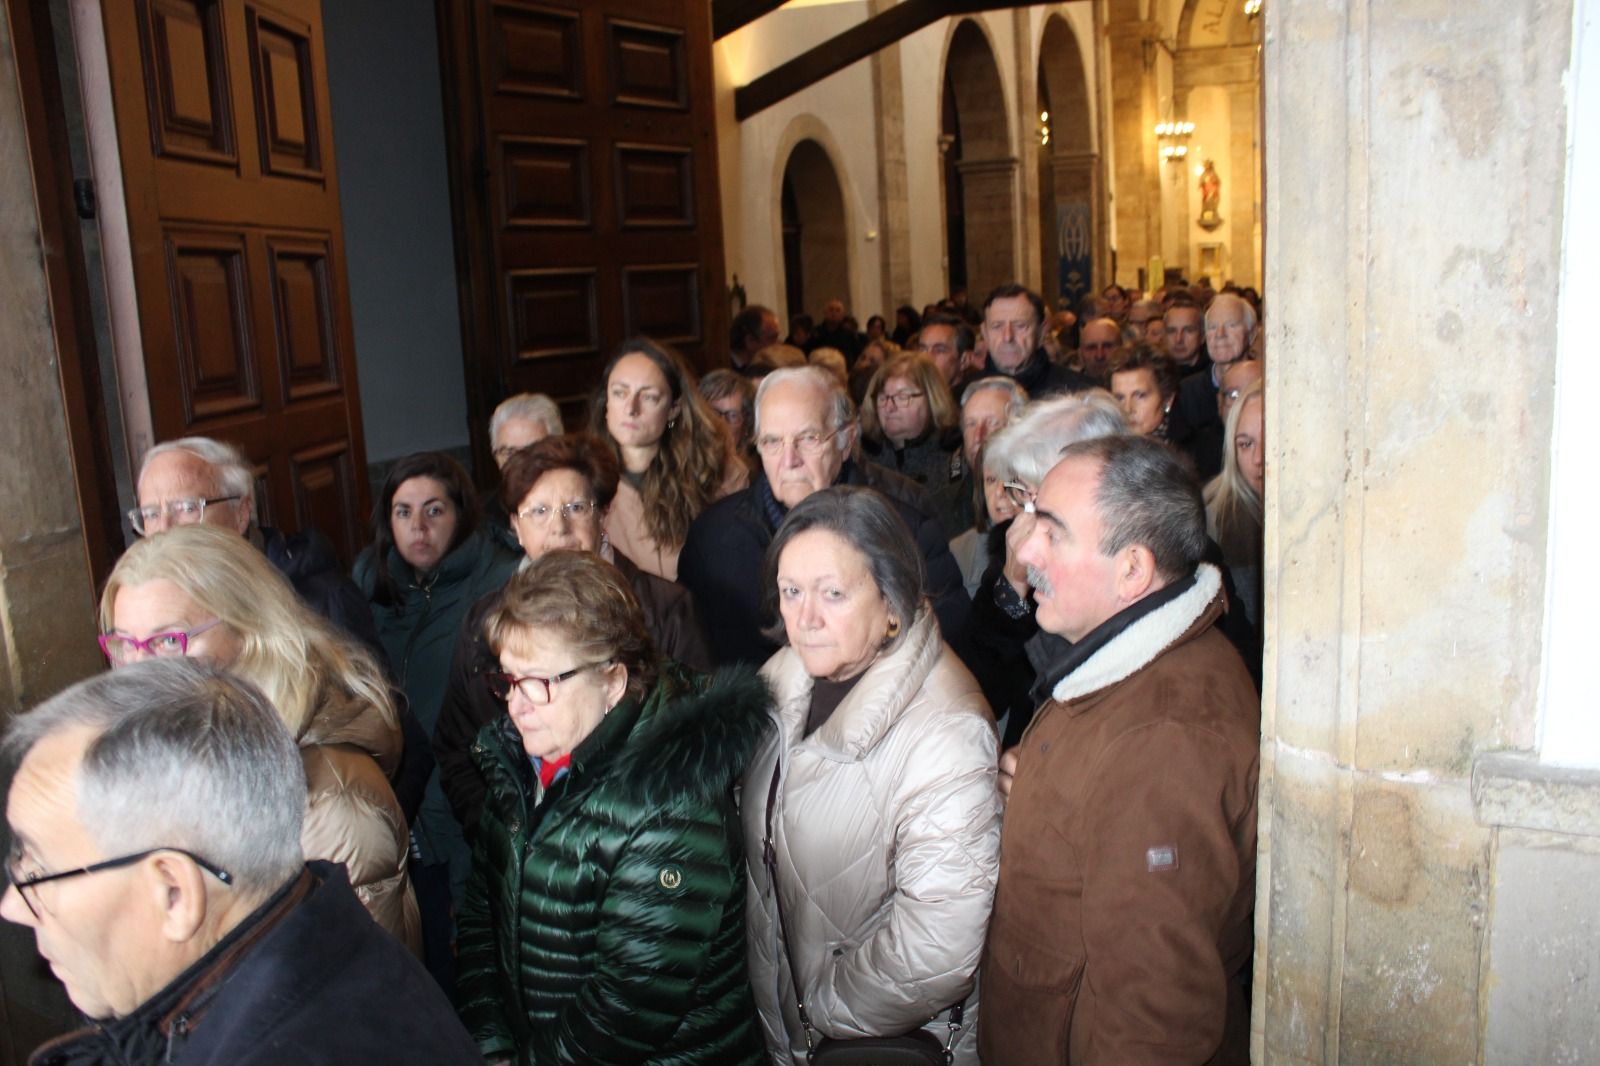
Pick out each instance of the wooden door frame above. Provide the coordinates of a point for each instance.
(77, 358)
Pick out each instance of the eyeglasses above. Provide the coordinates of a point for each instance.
(899, 399)
(734, 416)
(810, 442)
(120, 649)
(572, 511)
(25, 883)
(1021, 495)
(181, 512)
(501, 684)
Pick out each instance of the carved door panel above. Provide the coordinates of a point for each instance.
(238, 255)
(585, 172)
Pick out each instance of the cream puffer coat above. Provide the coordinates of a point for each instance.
(352, 816)
(887, 831)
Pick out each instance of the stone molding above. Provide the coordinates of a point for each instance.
(1514, 789)
(1003, 165)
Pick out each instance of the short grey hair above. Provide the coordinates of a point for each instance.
(1026, 449)
(1148, 495)
(1019, 395)
(864, 519)
(841, 411)
(186, 756)
(234, 474)
(1224, 300)
(534, 406)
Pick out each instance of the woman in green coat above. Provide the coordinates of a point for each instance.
(604, 918)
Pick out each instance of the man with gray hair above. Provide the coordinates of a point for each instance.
(155, 815)
(1230, 333)
(805, 434)
(198, 479)
(520, 420)
(1127, 857)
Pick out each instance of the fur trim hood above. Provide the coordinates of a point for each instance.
(1137, 646)
(695, 736)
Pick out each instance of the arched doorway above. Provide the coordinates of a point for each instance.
(816, 247)
(1069, 218)
(980, 169)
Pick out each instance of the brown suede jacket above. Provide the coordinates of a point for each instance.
(1127, 859)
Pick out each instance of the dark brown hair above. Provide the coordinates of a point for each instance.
(1144, 357)
(582, 453)
(458, 486)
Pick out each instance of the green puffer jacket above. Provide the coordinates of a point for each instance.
(604, 920)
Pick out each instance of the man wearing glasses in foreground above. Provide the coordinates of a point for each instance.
(806, 436)
(154, 815)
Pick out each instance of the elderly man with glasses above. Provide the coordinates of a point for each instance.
(805, 433)
(154, 815)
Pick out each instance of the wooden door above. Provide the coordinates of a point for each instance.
(584, 171)
(238, 255)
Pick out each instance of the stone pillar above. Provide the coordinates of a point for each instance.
(894, 197)
(1414, 198)
(989, 189)
(1136, 178)
(1242, 101)
(47, 600)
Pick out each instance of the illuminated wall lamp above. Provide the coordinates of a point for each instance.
(1173, 138)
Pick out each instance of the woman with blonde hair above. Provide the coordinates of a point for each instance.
(1233, 500)
(676, 454)
(206, 592)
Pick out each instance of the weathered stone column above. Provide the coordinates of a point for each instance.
(1136, 178)
(990, 200)
(894, 197)
(1414, 171)
(47, 598)
(1242, 195)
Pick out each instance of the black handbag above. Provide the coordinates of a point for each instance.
(916, 1048)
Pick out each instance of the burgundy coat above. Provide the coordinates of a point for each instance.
(1122, 919)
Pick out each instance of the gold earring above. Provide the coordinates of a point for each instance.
(894, 629)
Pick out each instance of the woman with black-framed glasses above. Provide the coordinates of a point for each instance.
(604, 918)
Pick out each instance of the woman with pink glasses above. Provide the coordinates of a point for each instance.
(206, 592)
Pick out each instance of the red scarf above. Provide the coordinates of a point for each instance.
(549, 768)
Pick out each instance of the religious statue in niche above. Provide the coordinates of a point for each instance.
(1210, 197)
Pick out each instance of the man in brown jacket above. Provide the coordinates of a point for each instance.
(1121, 931)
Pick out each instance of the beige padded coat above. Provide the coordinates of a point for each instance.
(352, 816)
(887, 832)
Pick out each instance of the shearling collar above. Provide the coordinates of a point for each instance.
(1137, 646)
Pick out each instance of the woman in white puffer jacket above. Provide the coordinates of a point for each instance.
(885, 818)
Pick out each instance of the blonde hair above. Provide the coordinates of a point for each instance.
(1233, 507)
(918, 369)
(290, 652)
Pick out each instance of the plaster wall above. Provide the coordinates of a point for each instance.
(1415, 199)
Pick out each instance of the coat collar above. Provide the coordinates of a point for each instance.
(1138, 645)
(872, 707)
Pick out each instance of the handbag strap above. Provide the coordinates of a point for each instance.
(769, 859)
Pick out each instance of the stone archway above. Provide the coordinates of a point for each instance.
(815, 231)
(1070, 221)
(979, 165)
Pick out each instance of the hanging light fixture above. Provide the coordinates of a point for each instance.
(1044, 129)
(1173, 139)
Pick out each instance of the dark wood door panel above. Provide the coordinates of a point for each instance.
(584, 164)
(233, 216)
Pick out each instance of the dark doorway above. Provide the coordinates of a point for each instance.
(794, 286)
(820, 252)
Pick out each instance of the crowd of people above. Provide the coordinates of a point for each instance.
(884, 691)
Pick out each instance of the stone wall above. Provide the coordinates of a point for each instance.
(47, 627)
(1415, 191)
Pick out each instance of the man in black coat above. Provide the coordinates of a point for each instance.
(1013, 324)
(156, 812)
(1230, 333)
(806, 434)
